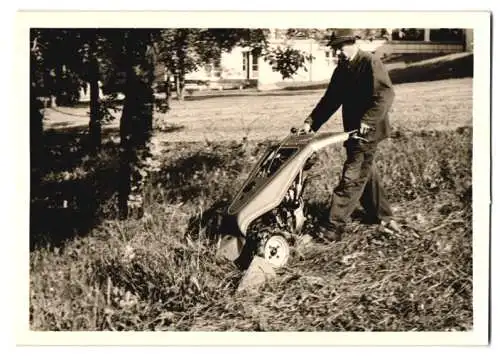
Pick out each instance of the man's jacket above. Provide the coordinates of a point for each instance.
(364, 90)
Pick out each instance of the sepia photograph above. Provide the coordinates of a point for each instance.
(258, 178)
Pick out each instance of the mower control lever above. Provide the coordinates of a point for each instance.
(356, 136)
(296, 131)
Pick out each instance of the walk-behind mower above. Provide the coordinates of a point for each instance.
(266, 217)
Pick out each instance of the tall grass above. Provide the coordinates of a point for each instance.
(160, 272)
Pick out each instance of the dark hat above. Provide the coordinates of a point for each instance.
(337, 42)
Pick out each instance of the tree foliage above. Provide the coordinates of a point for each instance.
(287, 61)
(63, 61)
(318, 34)
(184, 50)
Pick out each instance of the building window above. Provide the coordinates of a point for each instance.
(447, 35)
(213, 68)
(208, 70)
(244, 54)
(255, 62)
(217, 68)
(330, 58)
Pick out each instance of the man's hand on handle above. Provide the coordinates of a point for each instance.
(306, 128)
(364, 129)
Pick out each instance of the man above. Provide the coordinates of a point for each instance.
(361, 85)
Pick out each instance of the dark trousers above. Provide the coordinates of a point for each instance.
(360, 183)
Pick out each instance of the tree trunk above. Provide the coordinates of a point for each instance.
(95, 112)
(36, 134)
(135, 132)
(126, 157)
(168, 92)
(127, 146)
(57, 97)
(53, 101)
(179, 86)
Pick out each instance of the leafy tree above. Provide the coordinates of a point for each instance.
(97, 53)
(177, 50)
(36, 116)
(137, 60)
(287, 61)
(183, 50)
(64, 61)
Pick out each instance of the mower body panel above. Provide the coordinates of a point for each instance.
(270, 179)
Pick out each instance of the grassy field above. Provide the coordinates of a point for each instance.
(439, 105)
(160, 273)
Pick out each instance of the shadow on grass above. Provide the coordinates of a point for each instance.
(206, 179)
(185, 178)
(65, 147)
(69, 127)
(410, 57)
(212, 223)
(72, 191)
(461, 67)
(69, 188)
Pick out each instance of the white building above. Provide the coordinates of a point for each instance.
(241, 64)
(428, 40)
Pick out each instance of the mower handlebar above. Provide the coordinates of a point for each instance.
(354, 134)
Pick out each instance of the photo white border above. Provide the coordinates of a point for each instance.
(479, 21)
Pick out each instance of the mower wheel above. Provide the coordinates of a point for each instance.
(276, 251)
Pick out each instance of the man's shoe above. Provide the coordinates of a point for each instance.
(387, 224)
(391, 225)
(327, 235)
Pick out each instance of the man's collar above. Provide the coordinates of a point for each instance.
(354, 55)
(352, 60)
